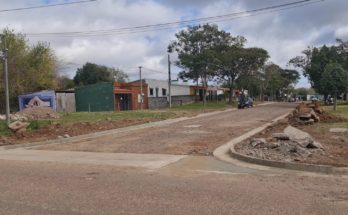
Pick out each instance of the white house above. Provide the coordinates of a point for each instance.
(159, 88)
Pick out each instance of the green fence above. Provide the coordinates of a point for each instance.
(95, 98)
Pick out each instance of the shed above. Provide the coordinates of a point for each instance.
(95, 98)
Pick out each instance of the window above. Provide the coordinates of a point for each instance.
(156, 92)
(164, 92)
(151, 91)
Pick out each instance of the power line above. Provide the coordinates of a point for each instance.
(170, 25)
(48, 5)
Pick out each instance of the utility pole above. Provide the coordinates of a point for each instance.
(4, 56)
(169, 83)
(141, 89)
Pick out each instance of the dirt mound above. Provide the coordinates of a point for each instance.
(309, 113)
(39, 113)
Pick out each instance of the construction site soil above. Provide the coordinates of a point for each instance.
(334, 150)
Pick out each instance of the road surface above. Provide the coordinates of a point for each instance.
(194, 136)
(58, 182)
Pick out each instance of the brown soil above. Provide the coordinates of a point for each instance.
(335, 145)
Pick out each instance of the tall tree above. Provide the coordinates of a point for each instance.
(314, 61)
(334, 81)
(31, 67)
(196, 47)
(241, 63)
(92, 73)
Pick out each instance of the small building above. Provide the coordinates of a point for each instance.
(95, 98)
(128, 96)
(198, 92)
(158, 93)
(65, 100)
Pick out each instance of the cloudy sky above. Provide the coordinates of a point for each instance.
(284, 34)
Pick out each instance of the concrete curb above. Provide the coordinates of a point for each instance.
(227, 152)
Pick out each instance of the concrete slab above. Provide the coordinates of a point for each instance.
(295, 133)
(149, 161)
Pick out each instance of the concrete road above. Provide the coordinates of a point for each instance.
(193, 136)
(56, 188)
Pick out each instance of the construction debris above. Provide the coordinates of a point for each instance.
(18, 126)
(310, 113)
(38, 113)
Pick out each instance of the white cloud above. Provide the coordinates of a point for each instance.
(284, 34)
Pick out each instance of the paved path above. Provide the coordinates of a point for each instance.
(192, 136)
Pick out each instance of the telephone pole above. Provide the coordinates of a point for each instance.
(141, 89)
(169, 83)
(3, 57)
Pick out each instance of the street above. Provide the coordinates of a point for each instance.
(68, 183)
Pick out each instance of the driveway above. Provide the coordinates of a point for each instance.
(196, 136)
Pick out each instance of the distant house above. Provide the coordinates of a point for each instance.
(128, 96)
(158, 93)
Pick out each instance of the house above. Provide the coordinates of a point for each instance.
(127, 96)
(197, 91)
(158, 93)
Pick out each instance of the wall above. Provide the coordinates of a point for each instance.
(176, 89)
(48, 97)
(182, 100)
(161, 102)
(158, 102)
(95, 98)
(65, 102)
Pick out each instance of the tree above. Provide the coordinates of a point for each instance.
(314, 61)
(238, 63)
(31, 68)
(65, 83)
(334, 81)
(196, 47)
(92, 73)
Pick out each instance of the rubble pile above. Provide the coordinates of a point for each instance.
(38, 113)
(310, 113)
(292, 145)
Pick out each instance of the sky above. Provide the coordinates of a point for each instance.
(284, 34)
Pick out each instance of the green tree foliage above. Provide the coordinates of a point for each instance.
(236, 62)
(314, 61)
(92, 73)
(334, 80)
(64, 83)
(31, 67)
(271, 80)
(196, 47)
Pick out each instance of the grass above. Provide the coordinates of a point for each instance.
(3, 128)
(342, 110)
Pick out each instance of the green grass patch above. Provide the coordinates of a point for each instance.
(342, 110)
(114, 116)
(3, 128)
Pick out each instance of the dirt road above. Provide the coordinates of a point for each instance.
(194, 136)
